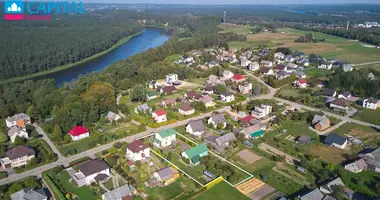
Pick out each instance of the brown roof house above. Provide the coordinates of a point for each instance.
(92, 171)
(138, 151)
(320, 123)
(168, 89)
(186, 109)
(339, 104)
(168, 102)
(17, 156)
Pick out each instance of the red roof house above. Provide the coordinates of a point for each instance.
(79, 132)
(302, 83)
(238, 78)
(246, 119)
(159, 116)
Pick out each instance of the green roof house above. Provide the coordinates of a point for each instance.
(152, 95)
(165, 138)
(254, 131)
(196, 153)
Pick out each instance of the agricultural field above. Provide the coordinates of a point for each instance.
(240, 29)
(370, 136)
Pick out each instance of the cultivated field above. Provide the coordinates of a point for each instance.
(241, 29)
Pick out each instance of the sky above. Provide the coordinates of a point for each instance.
(253, 2)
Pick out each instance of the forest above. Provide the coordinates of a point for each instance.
(34, 46)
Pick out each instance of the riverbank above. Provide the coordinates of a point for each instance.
(67, 66)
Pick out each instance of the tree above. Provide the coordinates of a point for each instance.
(57, 133)
(256, 91)
(138, 93)
(337, 191)
(169, 156)
(219, 88)
(31, 182)
(220, 126)
(19, 141)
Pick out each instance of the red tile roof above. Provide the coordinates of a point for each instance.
(160, 112)
(247, 118)
(78, 130)
(137, 146)
(238, 77)
(302, 81)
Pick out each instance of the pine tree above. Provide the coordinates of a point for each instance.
(58, 135)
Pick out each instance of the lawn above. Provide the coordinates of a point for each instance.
(368, 115)
(317, 73)
(327, 153)
(181, 187)
(173, 57)
(221, 191)
(83, 192)
(289, 91)
(259, 165)
(370, 136)
(194, 171)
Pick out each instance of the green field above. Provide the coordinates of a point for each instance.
(83, 192)
(240, 29)
(317, 73)
(289, 91)
(368, 115)
(181, 187)
(221, 191)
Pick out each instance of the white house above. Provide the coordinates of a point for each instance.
(227, 74)
(217, 119)
(279, 55)
(266, 71)
(325, 65)
(111, 116)
(227, 97)
(16, 131)
(164, 138)
(30, 194)
(138, 151)
(244, 62)
(266, 63)
(196, 128)
(186, 109)
(19, 120)
(345, 95)
(159, 116)
(170, 78)
(254, 66)
(93, 171)
(261, 111)
(301, 83)
(370, 103)
(124, 192)
(336, 141)
(17, 156)
(79, 132)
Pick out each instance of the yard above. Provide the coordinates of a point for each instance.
(327, 153)
(368, 115)
(289, 91)
(370, 136)
(221, 191)
(179, 188)
(317, 73)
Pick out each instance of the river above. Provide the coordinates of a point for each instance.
(149, 38)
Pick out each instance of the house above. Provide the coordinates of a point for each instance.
(186, 109)
(291, 66)
(371, 76)
(281, 75)
(196, 53)
(171, 78)
(245, 88)
(31, 194)
(339, 104)
(312, 195)
(227, 74)
(253, 131)
(304, 62)
(217, 119)
(329, 92)
(166, 175)
(220, 143)
(261, 111)
(196, 128)
(281, 68)
(300, 74)
(327, 189)
(372, 159)
(320, 123)
(227, 97)
(79, 132)
(168, 102)
(194, 154)
(208, 101)
(266, 63)
(208, 89)
(154, 85)
(304, 140)
(336, 140)
(159, 116)
(212, 64)
(111, 116)
(347, 68)
(168, 89)
(15, 132)
(19, 120)
(244, 62)
(325, 65)
(92, 171)
(357, 166)
(237, 78)
(124, 192)
(253, 66)
(143, 108)
(279, 55)
(266, 71)
(301, 83)
(245, 119)
(17, 156)
(165, 138)
(345, 95)
(370, 103)
(289, 58)
(152, 95)
(138, 151)
(213, 80)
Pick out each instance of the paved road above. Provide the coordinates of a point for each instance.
(48, 141)
(91, 152)
(368, 63)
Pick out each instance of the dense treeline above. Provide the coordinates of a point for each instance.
(85, 100)
(356, 81)
(32, 46)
